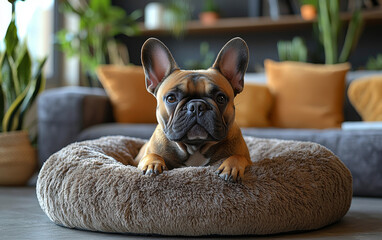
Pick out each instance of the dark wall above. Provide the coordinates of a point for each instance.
(262, 44)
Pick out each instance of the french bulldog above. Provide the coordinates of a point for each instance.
(195, 112)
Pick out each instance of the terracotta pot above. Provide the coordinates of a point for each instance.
(308, 12)
(208, 18)
(18, 158)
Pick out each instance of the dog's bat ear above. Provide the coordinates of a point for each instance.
(157, 62)
(232, 62)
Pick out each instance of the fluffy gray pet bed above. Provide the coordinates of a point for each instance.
(291, 186)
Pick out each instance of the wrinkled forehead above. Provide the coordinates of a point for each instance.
(196, 82)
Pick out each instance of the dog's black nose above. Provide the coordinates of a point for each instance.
(197, 107)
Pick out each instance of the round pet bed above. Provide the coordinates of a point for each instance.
(292, 186)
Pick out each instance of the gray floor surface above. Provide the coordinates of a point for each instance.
(22, 218)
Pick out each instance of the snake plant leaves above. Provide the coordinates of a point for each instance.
(37, 85)
(8, 121)
(18, 86)
(14, 117)
(24, 66)
(2, 100)
(352, 35)
(2, 103)
(9, 78)
(11, 39)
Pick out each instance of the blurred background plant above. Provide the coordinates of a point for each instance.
(177, 13)
(329, 26)
(94, 40)
(294, 50)
(21, 79)
(308, 9)
(328, 31)
(210, 6)
(309, 2)
(206, 60)
(210, 13)
(374, 63)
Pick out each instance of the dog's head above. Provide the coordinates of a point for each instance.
(196, 106)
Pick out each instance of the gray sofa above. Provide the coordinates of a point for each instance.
(70, 114)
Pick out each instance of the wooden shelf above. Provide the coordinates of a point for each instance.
(236, 25)
(246, 24)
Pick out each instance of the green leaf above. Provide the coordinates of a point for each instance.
(66, 6)
(2, 56)
(15, 80)
(67, 42)
(11, 39)
(115, 13)
(352, 35)
(24, 66)
(34, 88)
(10, 117)
(135, 15)
(7, 80)
(281, 49)
(2, 96)
(2, 103)
(130, 31)
(326, 31)
(100, 5)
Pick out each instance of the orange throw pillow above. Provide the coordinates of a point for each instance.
(125, 85)
(306, 95)
(366, 96)
(253, 106)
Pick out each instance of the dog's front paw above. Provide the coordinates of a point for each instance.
(233, 168)
(152, 164)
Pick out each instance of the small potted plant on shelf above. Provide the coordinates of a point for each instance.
(176, 16)
(294, 50)
(210, 13)
(328, 28)
(374, 63)
(206, 60)
(308, 9)
(21, 80)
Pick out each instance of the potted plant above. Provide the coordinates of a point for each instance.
(327, 28)
(94, 41)
(206, 60)
(374, 63)
(308, 9)
(210, 13)
(294, 50)
(21, 81)
(176, 16)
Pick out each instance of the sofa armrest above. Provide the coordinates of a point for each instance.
(64, 112)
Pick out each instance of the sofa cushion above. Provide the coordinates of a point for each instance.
(366, 96)
(253, 106)
(306, 95)
(137, 130)
(125, 85)
(360, 150)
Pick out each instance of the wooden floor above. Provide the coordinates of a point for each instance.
(22, 218)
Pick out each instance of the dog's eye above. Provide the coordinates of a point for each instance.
(221, 98)
(171, 98)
